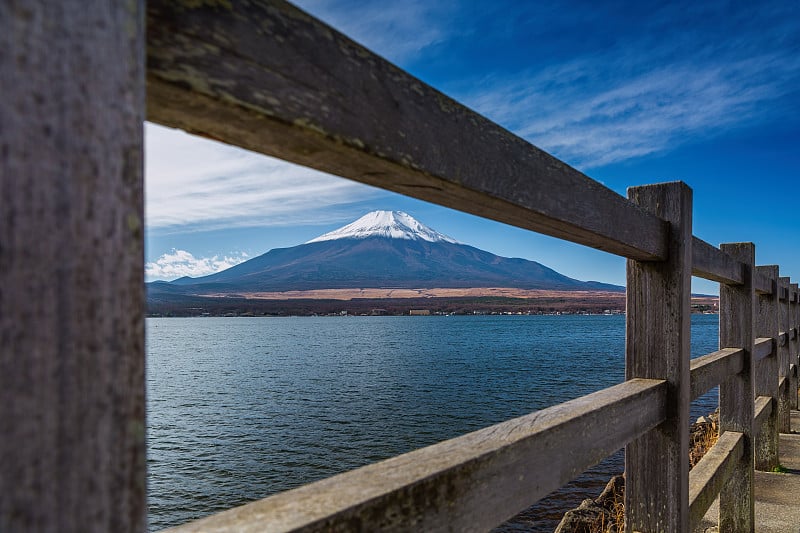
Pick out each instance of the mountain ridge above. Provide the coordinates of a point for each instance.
(382, 249)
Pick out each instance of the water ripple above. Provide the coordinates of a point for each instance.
(241, 408)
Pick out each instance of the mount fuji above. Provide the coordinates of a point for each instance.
(382, 249)
(388, 224)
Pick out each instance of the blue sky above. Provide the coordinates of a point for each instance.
(629, 93)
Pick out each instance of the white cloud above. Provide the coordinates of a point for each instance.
(397, 31)
(195, 183)
(179, 263)
(588, 117)
(658, 86)
(645, 95)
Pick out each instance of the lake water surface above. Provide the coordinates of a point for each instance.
(242, 408)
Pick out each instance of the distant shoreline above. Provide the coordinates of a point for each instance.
(402, 293)
(337, 302)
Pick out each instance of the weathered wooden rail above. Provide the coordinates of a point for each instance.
(263, 75)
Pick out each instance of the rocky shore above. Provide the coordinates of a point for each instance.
(606, 513)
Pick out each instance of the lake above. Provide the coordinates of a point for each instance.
(242, 408)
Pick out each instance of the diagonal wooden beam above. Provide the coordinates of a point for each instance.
(266, 76)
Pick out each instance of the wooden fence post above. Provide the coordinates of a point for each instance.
(657, 347)
(766, 373)
(794, 318)
(736, 328)
(71, 266)
(784, 419)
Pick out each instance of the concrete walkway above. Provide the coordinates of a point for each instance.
(777, 495)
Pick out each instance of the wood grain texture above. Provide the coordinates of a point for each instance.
(266, 76)
(763, 409)
(715, 469)
(709, 262)
(711, 369)
(794, 347)
(763, 347)
(470, 483)
(736, 393)
(766, 371)
(72, 449)
(657, 347)
(763, 283)
(785, 325)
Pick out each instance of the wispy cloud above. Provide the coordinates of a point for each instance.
(595, 83)
(179, 263)
(591, 124)
(398, 31)
(653, 90)
(592, 83)
(200, 184)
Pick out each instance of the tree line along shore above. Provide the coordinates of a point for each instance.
(190, 306)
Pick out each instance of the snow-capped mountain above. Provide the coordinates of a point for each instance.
(389, 224)
(379, 250)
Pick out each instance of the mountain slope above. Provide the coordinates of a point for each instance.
(382, 249)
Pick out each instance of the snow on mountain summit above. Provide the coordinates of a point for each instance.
(388, 224)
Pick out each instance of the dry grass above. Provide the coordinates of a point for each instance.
(615, 521)
(702, 441)
(618, 512)
(703, 437)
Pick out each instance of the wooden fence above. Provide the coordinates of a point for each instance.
(265, 76)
